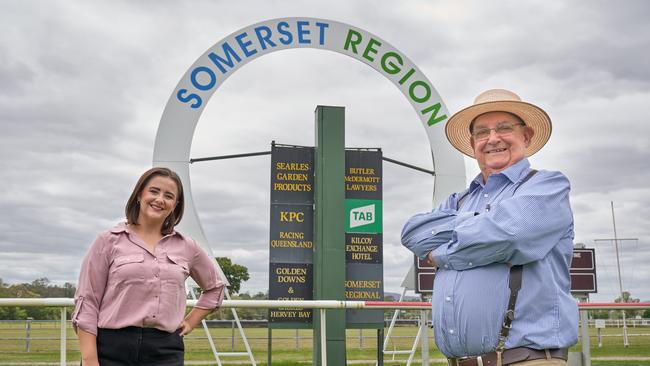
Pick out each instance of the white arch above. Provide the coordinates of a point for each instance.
(210, 70)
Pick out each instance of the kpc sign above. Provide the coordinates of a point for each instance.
(214, 67)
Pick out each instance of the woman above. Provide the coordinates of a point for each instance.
(130, 299)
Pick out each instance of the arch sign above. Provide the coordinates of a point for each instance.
(210, 71)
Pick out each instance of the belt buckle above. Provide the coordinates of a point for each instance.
(479, 360)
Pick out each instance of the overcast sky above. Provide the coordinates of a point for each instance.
(83, 85)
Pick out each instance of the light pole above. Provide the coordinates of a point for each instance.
(618, 266)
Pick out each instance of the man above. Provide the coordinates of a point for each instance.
(503, 246)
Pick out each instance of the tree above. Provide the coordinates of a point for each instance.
(235, 273)
(599, 314)
(40, 287)
(627, 298)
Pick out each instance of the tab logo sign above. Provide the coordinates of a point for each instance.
(363, 216)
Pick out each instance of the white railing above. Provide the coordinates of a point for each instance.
(322, 305)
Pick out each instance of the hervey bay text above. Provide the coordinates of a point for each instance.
(294, 33)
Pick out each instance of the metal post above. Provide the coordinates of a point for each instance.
(600, 338)
(620, 281)
(323, 338)
(380, 351)
(425, 338)
(28, 331)
(584, 335)
(63, 337)
(232, 335)
(360, 338)
(329, 230)
(269, 344)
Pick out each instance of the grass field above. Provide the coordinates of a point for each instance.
(44, 345)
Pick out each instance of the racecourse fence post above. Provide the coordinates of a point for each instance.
(232, 335)
(64, 338)
(584, 335)
(28, 331)
(425, 337)
(360, 338)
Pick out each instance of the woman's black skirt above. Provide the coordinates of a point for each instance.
(139, 346)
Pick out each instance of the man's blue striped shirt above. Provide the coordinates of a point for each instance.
(500, 224)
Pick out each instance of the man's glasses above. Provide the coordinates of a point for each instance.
(501, 129)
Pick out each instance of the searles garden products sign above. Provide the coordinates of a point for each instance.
(243, 46)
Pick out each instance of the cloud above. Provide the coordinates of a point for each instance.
(81, 97)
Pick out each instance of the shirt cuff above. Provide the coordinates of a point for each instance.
(440, 256)
(87, 325)
(211, 299)
(83, 318)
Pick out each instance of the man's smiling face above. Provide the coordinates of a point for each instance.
(498, 151)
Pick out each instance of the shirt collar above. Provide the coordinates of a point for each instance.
(514, 173)
(120, 228)
(123, 228)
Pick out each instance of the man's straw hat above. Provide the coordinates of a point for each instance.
(498, 100)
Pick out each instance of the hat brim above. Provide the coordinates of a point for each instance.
(457, 127)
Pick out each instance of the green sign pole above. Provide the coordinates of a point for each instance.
(329, 230)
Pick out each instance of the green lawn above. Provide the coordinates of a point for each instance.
(44, 346)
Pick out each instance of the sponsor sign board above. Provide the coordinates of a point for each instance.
(291, 281)
(424, 276)
(291, 232)
(363, 237)
(583, 270)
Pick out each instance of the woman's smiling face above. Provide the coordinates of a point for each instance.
(158, 199)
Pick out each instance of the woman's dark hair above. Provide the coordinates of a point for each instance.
(132, 209)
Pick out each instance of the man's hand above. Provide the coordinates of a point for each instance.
(430, 261)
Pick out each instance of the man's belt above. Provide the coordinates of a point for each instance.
(510, 356)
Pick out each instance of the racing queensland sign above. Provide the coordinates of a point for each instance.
(292, 231)
(363, 234)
